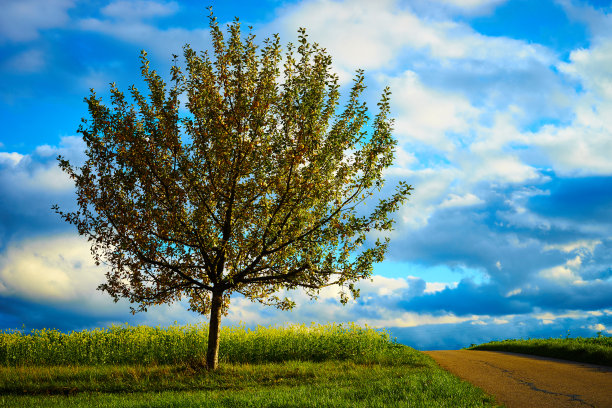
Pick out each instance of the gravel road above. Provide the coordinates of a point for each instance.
(522, 381)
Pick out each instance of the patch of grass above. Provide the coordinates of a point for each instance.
(595, 350)
(295, 366)
(288, 384)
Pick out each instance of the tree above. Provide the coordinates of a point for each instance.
(254, 190)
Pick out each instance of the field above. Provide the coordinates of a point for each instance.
(293, 366)
(595, 350)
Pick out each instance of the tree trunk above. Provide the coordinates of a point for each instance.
(212, 354)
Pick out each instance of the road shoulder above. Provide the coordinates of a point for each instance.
(519, 380)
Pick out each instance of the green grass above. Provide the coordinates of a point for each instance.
(596, 350)
(295, 366)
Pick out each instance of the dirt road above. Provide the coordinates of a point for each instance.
(521, 381)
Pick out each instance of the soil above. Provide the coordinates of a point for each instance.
(522, 381)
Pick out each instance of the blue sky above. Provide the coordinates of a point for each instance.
(502, 113)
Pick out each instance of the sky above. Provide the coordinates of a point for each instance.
(503, 120)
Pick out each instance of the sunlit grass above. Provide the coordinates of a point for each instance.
(596, 350)
(295, 366)
(287, 384)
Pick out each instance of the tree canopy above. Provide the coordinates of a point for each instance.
(252, 187)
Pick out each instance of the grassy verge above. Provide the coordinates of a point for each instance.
(366, 369)
(595, 350)
(413, 380)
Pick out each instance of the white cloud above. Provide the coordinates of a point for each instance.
(23, 173)
(489, 156)
(426, 115)
(139, 9)
(410, 319)
(27, 61)
(372, 35)
(577, 150)
(131, 29)
(431, 187)
(565, 274)
(592, 67)
(359, 34)
(580, 11)
(596, 313)
(580, 245)
(404, 158)
(572, 314)
(499, 167)
(466, 200)
(49, 269)
(514, 292)
(581, 147)
(382, 286)
(10, 159)
(441, 126)
(377, 301)
(433, 287)
(599, 328)
(472, 6)
(21, 20)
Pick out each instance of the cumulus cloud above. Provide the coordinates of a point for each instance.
(578, 148)
(428, 116)
(22, 20)
(50, 281)
(49, 268)
(39, 171)
(599, 328)
(10, 159)
(431, 187)
(372, 35)
(530, 256)
(566, 273)
(31, 184)
(353, 31)
(457, 123)
(498, 167)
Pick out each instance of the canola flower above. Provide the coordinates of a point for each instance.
(124, 344)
